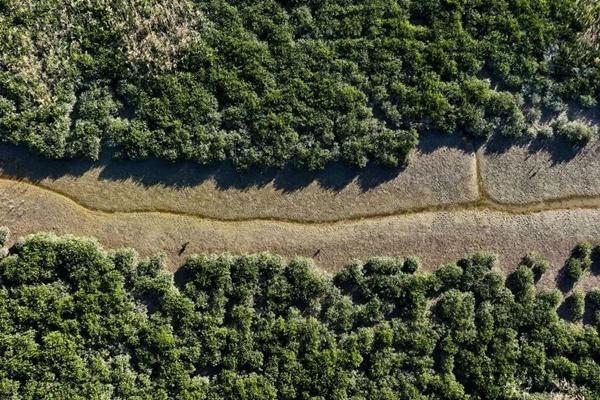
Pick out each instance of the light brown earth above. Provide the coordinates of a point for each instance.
(443, 206)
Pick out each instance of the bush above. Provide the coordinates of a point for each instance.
(576, 131)
(269, 83)
(86, 323)
(4, 235)
(574, 269)
(576, 305)
(538, 265)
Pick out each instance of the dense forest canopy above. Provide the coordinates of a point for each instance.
(268, 82)
(80, 323)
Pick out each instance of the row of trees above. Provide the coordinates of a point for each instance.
(268, 82)
(77, 322)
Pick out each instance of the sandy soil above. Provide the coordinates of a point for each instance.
(436, 237)
(440, 172)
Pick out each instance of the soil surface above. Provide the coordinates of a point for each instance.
(536, 172)
(436, 237)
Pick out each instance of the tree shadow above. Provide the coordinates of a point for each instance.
(565, 310)
(588, 314)
(182, 276)
(20, 163)
(564, 283)
(595, 268)
(559, 149)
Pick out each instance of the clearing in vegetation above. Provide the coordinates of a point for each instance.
(442, 172)
(435, 236)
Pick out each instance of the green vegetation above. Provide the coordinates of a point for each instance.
(576, 305)
(269, 82)
(537, 264)
(579, 262)
(4, 235)
(79, 323)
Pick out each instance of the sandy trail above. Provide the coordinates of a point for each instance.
(435, 236)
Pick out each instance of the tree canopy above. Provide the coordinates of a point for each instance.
(78, 322)
(270, 82)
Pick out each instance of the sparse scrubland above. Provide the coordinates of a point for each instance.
(271, 82)
(78, 322)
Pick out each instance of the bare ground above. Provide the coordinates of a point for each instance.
(436, 237)
(448, 202)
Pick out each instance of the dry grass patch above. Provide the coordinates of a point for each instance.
(527, 174)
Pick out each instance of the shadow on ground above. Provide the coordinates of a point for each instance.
(559, 149)
(21, 163)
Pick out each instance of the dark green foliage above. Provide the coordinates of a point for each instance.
(268, 82)
(537, 263)
(579, 262)
(573, 269)
(576, 305)
(4, 235)
(78, 323)
(411, 265)
(592, 299)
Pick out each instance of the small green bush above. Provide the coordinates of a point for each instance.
(537, 263)
(4, 235)
(576, 304)
(577, 132)
(573, 269)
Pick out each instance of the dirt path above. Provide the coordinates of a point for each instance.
(443, 207)
(435, 236)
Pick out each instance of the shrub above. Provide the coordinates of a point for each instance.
(577, 132)
(538, 265)
(84, 323)
(267, 83)
(4, 235)
(576, 304)
(573, 269)
(583, 251)
(592, 299)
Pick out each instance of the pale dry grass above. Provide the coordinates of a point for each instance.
(436, 237)
(522, 174)
(436, 175)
